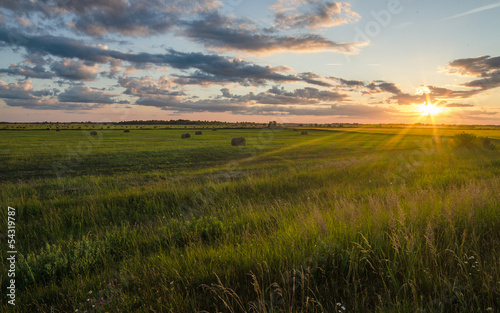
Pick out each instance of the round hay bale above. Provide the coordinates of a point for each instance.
(304, 132)
(238, 141)
(93, 133)
(198, 133)
(126, 131)
(185, 135)
(48, 128)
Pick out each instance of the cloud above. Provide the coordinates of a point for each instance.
(436, 95)
(313, 79)
(210, 67)
(126, 17)
(424, 94)
(479, 66)
(199, 20)
(144, 86)
(84, 94)
(491, 81)
(476, 10)
(348, 83)
(137, 19)
(221, 33)
(49, 104)
(317, 15)
(21, 90)
(305, 101)
(306, 95)
(254, 108)
(75, 70)
(23, 95)
(23, 21)
(486, 68)
(382, 86)
(458, 105)
(36, 71)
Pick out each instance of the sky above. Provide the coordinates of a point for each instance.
(292, 61)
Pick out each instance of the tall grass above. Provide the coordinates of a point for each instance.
(337, 222)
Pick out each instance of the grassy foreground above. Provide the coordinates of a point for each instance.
(357, 220)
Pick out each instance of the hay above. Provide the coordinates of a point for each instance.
(198, 133)
(93, 133)
(304, 132)
(238, 141)
(185, 135)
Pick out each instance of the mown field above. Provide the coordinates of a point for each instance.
(339, 220)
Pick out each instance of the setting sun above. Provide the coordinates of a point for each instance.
(429, 109)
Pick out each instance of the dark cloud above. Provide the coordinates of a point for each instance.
(382, 86)
(75, 70)
(436, 95)
(254, 108)
(56, 7)
(298, 96)
(145, 86)
(23, 95)
(440, 93)
(204, 105)
(214, 68)
(221, 33)
(198, 20)
(314, 79)
(491, 80)
(478, 66)
(348, 83)
(274, 100)
(458, 105)
(322, 14)
(485, 67)
(137, 19)
(37, 71)
(408, 99)
(83, 94)
(46, 103)
(127, 17)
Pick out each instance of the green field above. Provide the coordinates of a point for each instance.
(339, 220)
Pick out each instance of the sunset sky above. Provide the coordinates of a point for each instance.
(317, 61)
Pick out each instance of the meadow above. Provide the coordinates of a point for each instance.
(402, 219)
